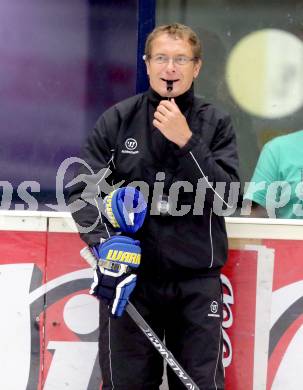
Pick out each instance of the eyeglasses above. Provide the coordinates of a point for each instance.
(163, 59)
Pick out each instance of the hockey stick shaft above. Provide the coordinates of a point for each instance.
(148, 332)
(160, 347)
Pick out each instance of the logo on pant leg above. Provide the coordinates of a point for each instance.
(214, 307)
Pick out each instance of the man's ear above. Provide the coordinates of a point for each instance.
(197, 68)
(147, 68)
(146, 63)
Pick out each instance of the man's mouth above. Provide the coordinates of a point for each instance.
(170, 81)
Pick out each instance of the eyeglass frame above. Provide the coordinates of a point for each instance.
(147, 57)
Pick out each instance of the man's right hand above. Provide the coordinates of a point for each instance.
(114, 277)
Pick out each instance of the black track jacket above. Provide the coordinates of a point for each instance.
(124, 145)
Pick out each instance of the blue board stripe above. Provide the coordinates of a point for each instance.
(146, 23)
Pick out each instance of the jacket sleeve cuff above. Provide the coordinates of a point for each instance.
(192, 142)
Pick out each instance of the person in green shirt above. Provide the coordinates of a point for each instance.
(276, 188)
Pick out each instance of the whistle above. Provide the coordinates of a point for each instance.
(169, 86)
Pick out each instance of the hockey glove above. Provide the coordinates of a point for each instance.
(125, 208)
(114, 279)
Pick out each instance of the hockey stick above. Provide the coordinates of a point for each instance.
(87, 255)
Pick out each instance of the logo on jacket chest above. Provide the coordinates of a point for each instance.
(130, 146)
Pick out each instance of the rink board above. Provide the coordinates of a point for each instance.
(49, 323)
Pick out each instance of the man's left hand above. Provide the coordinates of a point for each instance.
(172, 123)
(114, 277)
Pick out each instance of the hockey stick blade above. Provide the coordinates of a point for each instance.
(87, 255)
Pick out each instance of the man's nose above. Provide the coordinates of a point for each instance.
(171, 65)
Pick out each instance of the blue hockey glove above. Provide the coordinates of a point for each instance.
(125, 208)
(114, 278)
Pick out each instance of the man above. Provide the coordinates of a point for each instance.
(276, 188)
(172, 140)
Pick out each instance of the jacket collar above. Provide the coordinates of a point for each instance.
(183, 101)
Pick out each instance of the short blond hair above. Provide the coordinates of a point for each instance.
(176, 30)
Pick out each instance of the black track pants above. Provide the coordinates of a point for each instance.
(189, 315)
